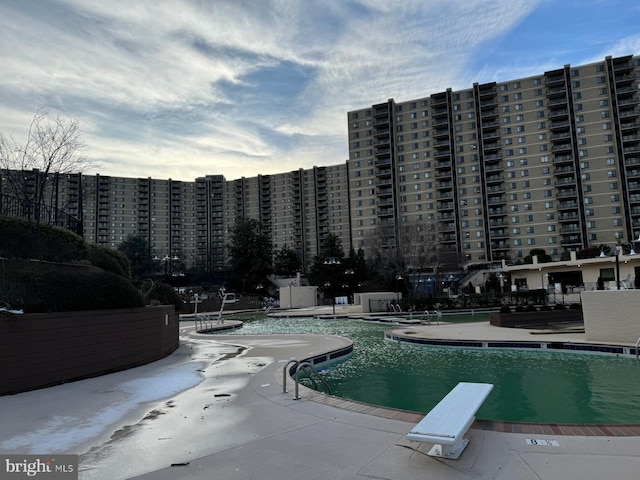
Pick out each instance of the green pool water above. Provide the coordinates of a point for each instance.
(530, 386)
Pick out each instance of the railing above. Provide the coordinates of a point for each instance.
(309, 370)
(436, 313)
(38, 213)
(204, 321)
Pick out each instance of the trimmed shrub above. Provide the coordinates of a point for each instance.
(519, 308)
(39, 287)
(108, 259)
(505, 309)
(22, 239)
(164, 294)
(559, 306)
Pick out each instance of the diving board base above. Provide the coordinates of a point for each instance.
(452, 452)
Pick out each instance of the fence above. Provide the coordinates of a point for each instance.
(38, 213)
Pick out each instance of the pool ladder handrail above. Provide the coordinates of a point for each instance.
(308, 369)
(203, 320)
(430, 315)
(637, 347)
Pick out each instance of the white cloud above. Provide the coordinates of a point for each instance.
(236, 87)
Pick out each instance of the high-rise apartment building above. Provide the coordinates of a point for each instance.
(486, 173)
(493, 171)
(188, 223)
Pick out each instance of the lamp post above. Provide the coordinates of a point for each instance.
(332, 262)
(349, 273)
(168, 265)
(398, 278)
(618, 252)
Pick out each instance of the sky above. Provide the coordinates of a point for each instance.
(185, 88)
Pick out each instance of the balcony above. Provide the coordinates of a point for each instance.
(498, 223)
(561, 171)
(566, 193)
(487, 92)
(554, 79)
(562, 159)
(489, 103)
(492, 147)
(442, 153)
(380, 112)
(567, 205)
(447, 227)
(441, 112)
(445, 206)
(381, 132)
(448, 239)
(561, 113)
(560, 125)
(624, 80)
(572, 228)
(623, 67)
(566, 182)
(497, 212)
(571, 240)
(385, 212)
(557, 92)
(488, 114)
(490, 125)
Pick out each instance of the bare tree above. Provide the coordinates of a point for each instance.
(31, 170)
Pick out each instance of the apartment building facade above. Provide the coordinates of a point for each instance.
(481, 174)
(493, 171)
(187, 224)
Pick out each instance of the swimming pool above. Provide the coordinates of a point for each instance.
(530, 386)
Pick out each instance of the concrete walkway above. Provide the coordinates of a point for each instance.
(215, 410)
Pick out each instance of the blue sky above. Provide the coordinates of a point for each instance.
(185, 88)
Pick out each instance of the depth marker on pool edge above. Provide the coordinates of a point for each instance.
(542, 442)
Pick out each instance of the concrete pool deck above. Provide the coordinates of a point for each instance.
(215, 409)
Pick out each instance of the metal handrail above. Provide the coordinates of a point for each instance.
(308, 369)
(637, 347)
(305, 365)
(284, 373)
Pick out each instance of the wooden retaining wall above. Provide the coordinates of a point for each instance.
(43, 349)
(539, 318)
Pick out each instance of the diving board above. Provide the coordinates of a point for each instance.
(446, 425)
